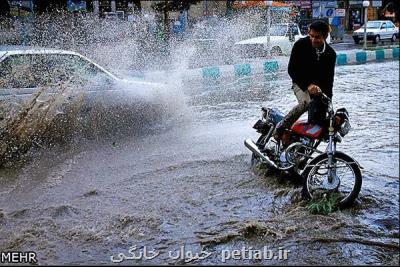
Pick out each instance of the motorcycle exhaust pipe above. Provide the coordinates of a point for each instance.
(254, 148)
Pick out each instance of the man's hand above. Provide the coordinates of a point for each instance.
(314, 89)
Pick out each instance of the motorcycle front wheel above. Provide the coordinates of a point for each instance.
(347, 170)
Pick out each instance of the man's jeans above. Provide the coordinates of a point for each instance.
(304, 101)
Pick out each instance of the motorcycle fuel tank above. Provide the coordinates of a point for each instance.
(302, 127)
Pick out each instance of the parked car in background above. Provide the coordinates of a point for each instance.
(377, 30)
(282, 38)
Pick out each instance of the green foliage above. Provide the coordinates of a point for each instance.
(323, 204)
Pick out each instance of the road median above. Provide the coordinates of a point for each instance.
(260, 66)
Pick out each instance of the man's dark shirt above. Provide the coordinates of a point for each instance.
(305, 68)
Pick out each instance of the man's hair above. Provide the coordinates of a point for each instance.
(320, 26)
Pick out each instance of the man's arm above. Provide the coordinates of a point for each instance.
(331, 73)
(296, 68)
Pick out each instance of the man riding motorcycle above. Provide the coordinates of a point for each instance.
(323, 172)
(312, 69)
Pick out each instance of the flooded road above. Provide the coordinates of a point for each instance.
(189, 183)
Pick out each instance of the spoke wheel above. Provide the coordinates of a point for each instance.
(347, 182)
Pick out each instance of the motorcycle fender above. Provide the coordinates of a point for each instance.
(355, 161)
(318, 158)
(358, 164)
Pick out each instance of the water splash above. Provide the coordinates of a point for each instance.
(129, 49)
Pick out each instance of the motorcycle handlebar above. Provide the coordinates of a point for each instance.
(324, 96)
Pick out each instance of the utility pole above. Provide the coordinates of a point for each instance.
(166, 21)
(320, 9)
(269, 5)
(365, 5)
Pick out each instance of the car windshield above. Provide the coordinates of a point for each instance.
(373, 24)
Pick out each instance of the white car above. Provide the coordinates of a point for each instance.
(23, 70)
(282, 39)
(377, 30)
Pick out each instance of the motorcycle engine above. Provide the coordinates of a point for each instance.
(294, 152)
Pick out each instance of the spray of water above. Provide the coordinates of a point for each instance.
(61, 110)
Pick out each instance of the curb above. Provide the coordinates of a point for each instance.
(273, 66)
(360, 57)
(240, 70)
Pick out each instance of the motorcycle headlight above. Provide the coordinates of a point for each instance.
(344, 128)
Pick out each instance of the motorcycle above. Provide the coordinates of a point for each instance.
(323, 172)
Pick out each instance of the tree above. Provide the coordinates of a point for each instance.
(171, 5)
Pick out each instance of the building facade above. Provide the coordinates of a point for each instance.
(348, 13)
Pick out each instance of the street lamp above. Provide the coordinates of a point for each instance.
(365, 5)
(268, 4)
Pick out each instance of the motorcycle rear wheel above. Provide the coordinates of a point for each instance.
(347, 170)
(254, 158)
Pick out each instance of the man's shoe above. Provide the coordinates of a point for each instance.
(278, 132)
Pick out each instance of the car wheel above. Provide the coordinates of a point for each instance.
(394, 38)
(377, 39)
(276, 51)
